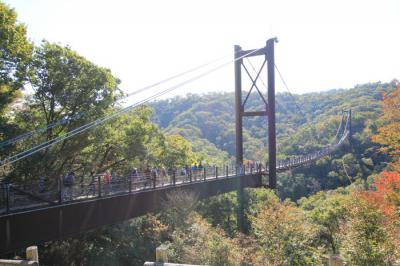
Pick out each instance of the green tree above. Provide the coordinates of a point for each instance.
(199, 243)
(177, 152)
(126, 142)
(15, 55)
(329, 211)
(129, 243)
(369, 236)
(284, 235)
(66, 86)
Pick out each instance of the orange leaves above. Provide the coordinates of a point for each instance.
(388, 189)
(373, 229)
(389, 134)
(391, 105)
(386, 197)
(388, 182)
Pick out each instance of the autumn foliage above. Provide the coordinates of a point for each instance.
(388, 135)
(386, 195)
(374, 222)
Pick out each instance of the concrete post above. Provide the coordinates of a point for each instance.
(32, 258)
(32, 254)
(161, 254)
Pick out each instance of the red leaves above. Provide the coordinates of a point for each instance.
(386, 197)
(388, 182)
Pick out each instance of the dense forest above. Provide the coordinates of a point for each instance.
(304, 123)
(345, 205)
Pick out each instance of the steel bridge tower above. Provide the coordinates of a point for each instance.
(269, 111)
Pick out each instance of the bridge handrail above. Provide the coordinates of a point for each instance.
(16, 197)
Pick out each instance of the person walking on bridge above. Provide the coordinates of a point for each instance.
(134, 177)
(42, 183)
(69, 180)
(107, 181)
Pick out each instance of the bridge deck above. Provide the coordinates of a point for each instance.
(21, 229)
(34, 217)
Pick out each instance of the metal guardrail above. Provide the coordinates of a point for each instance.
(294, 162)
(36, 194)
(19, 197)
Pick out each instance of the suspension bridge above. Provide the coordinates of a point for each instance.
(36, 212)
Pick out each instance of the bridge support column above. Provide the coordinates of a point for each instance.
(239, 133)
(269, 56)
(269, 110)
(350, 129)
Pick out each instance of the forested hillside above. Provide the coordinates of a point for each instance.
(304, 123)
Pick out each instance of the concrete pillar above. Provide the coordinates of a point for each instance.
(162, 254)
(32, 258)
(32, 254)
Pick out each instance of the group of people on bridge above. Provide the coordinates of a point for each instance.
(73, 185)
(137, 178)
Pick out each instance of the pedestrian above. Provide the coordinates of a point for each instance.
(163, 175)
(154, 175)
(42, 183)
(183, 171)
(81, 181)
(134, 177)
(92, 183)
(147, 176)
(170, 173)
(107, 181)
(69, 180)
(194, 167)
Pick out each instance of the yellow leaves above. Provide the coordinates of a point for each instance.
(285, 235)
(389, 134)
(200, 243)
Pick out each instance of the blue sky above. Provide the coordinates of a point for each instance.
(322, 44)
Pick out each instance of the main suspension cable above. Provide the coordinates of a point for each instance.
(97, 122)
(78, 115)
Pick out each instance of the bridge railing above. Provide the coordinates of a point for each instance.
(308, 158)
(40, 193)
